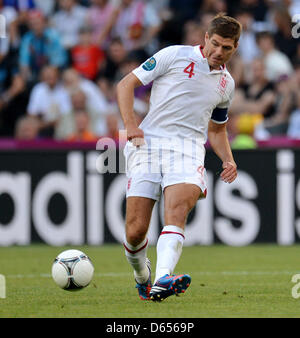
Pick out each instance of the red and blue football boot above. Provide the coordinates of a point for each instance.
(169, 285)
(144, 289)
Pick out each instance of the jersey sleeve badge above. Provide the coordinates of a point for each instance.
(149, 64)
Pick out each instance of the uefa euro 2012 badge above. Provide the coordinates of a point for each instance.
(149, 64)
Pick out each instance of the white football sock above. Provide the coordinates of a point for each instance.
(169, 248)
(136, 256)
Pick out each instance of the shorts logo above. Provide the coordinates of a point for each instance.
(201, 171)
(129, 184)
(149, 64)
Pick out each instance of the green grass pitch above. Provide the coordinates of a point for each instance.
(251, 281)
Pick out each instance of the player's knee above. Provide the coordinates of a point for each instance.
(135, 238)
(135, 233)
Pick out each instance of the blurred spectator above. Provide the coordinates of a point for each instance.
(297, 58)
(86, 3)
(283, 38)
(171, 32)
(10, 15)
(27, 129)
(101, 17)
(95, 98)
(104, 40)
(8, 46)
(66, 122)
(23, 22)
(23, 8)
(160, 5)
(256, 97)
(47, 7)
(193, 33)
(215, 6)
(96, 102)
(294, 122)
(131, 62)
(21, 5)
(247, 49)
(48, 101)
(107, 88)
(243, 141)
(82, 128)
(140, 108)
(185, 10)
(241, 129)
(205, 19)
(295, 83)
(276, 62)
(116, 55)
(294, 125)
(162, 8)
(138, 25)
(277, 123)
(68, 21)
(259, 8)
(87, 57)
(39, 47)
(293, 6)
(113, 122)
(236, 68)
(13, 103)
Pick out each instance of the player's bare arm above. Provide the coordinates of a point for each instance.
(217, 136)
(125, 95)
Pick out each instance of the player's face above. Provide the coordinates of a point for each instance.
(218, 50)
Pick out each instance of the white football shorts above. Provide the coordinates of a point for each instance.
(150, 171)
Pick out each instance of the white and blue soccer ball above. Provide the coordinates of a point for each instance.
(72, 270)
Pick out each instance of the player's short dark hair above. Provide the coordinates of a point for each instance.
(226, 27)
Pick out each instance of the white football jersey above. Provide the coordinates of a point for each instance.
(185, 94)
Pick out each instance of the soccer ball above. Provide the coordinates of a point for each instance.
(72, 270)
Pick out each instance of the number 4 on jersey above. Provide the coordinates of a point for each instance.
(190, 69)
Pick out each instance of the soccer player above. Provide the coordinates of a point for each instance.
(190, 96)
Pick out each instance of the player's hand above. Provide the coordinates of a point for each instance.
(136, 136)
(229, 173)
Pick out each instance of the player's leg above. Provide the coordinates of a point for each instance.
(179, 200)
(138, 216)
(143, 190)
